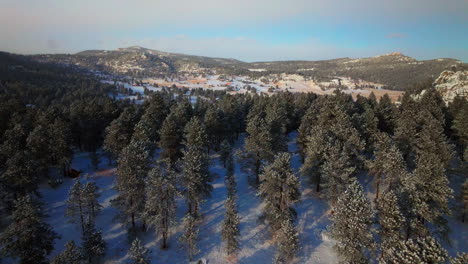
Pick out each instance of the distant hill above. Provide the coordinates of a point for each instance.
(395, 70)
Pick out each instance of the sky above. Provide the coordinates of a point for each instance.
(248, 30)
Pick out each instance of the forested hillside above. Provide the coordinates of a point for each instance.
(185, 175)
(394, 71)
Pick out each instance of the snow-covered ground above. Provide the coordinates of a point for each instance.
(256, 244)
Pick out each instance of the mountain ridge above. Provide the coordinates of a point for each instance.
(394, 70)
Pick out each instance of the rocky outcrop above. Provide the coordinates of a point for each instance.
(450, 84)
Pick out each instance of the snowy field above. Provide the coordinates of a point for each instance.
(256, 245)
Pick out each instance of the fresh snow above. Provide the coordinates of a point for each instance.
(256, 243)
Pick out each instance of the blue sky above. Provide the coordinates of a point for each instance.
(255, 30)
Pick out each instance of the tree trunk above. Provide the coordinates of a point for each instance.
(318, 184)
(133, 220)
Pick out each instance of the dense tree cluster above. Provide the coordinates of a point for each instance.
(165, 146)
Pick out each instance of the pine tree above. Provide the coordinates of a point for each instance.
(388, 165)
(460, 127)
(27, 239)
(19, 175)
(391, 221)
(288, 242)
(72, 254)
(132, 169)
(258, 145)
(334, 129)
(214, 127)
(351, 225)
(61, 153)
(280, 190)
(230, 232)
(94, 247)
(76, 209)
(38, 143)
(461, 258)
(418, 250)
(170, 140)
(90, 195)
(139, 253)
(276, 117)
(160, 206)
(464, 197)
(386, 113)
(230, 179)
(225, 152)
(154, 116)
(195, 134)
(119, 132)
(190, 236)
(427, 192)
(195, 166)
(336, 171)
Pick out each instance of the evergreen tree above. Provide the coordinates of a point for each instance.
(70, 255)
(351, 224)
(230, 179)
(280, 190)
(190, 236)
(160, 206)
(19, 175)
(386, 113)
(225, 152)
(388, 165)
(132, 169)
(119, 132)
(154, 116)
(461, 258)
(426, 193)
(460, 127)
(77, 210)
(258, 145)
(288, 242)
(334, 129)
(195, 166)
(464, 197)
(27, 239)
(39, 145)
(94, 247)
(61, 153)
(214, 127)
(196, 178)
(418, 250)
(391, 221)
(90, 195)
(276, 117)
(336, 172)
(195, 135)
(170, 140)
(139, 253)
(230, 232)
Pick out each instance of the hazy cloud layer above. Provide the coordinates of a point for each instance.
(31, 26)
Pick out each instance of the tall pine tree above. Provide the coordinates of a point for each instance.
(280, 190)
(351, 225)
(160, 206)
(132, 169)
(27, 239)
